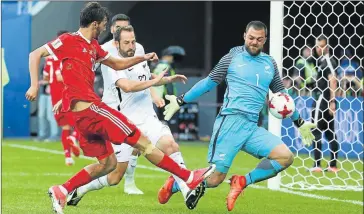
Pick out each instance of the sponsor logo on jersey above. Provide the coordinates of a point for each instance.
(56, 43)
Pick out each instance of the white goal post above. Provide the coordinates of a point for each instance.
(295, 26)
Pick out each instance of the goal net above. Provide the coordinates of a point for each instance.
(342, 24)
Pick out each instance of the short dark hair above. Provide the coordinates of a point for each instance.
(322, 38)
(119, 17)
(257, 25)
(92, 11)
(118, 31)
(61, 32)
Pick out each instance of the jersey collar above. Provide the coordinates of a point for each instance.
(83, 37)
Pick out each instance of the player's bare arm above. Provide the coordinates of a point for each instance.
(34, 62)
(171, 79)
(134, 86)
(124, 63)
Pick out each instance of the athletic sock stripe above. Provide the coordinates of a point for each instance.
(98, 111)
(117, 119)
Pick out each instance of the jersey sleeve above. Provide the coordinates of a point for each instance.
(218, 73)
(276, 85)
(101, 54)
(58, 47)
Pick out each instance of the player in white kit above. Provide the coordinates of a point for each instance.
(128, 92)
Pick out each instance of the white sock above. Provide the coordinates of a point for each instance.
(177, 157)
(96, 184)
(130, 171)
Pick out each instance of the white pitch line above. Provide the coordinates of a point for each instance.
(303, 194)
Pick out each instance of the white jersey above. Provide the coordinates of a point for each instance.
(134, 105)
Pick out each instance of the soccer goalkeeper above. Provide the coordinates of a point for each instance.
(249, 74)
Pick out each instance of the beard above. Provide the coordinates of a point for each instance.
(128, 53)
(253, 52)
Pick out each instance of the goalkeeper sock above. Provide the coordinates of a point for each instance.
(265, 169)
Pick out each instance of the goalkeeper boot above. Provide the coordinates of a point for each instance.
(58, 198)
(165, 193)
(237, 185)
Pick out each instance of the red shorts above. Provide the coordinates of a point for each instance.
(99, 125)
(63, 119)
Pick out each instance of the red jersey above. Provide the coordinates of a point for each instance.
(78, 56)
(52, 68)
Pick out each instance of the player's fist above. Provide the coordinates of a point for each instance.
(32, 93)
(306, 133)
(171, 108)
(151, 56)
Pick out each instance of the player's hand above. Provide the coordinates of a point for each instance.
(159, 102)
(159, 77)
(32, 93)
(177, 78)
(306, 133)
(151, 57)
(57, 107)
(171, 108)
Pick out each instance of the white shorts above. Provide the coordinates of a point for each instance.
(153, 129)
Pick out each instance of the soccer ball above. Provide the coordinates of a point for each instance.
(281, 105)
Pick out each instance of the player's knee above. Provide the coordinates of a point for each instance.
(282, 155)
(171, 147)
(145, 146)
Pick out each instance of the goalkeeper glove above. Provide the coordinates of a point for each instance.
(173, 106)
(305, 130)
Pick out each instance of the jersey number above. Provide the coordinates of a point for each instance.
(257, 79)
(142, 77)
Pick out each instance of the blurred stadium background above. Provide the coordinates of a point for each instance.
(206, 30)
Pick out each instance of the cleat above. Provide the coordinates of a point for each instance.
(58, 199)
(74, 148)
(165, 193)
(131, 189)
(315, 169)
(73, 198)
(237, 185)
(200, 175)
(193, 196)
(69, 161)
(332, 169)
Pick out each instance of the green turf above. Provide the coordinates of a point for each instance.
(26, 176)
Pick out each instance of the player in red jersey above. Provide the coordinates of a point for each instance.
(97, 124)
(52, 74)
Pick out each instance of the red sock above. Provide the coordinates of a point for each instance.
(65, 143)
(169, 165)
(80, 179)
